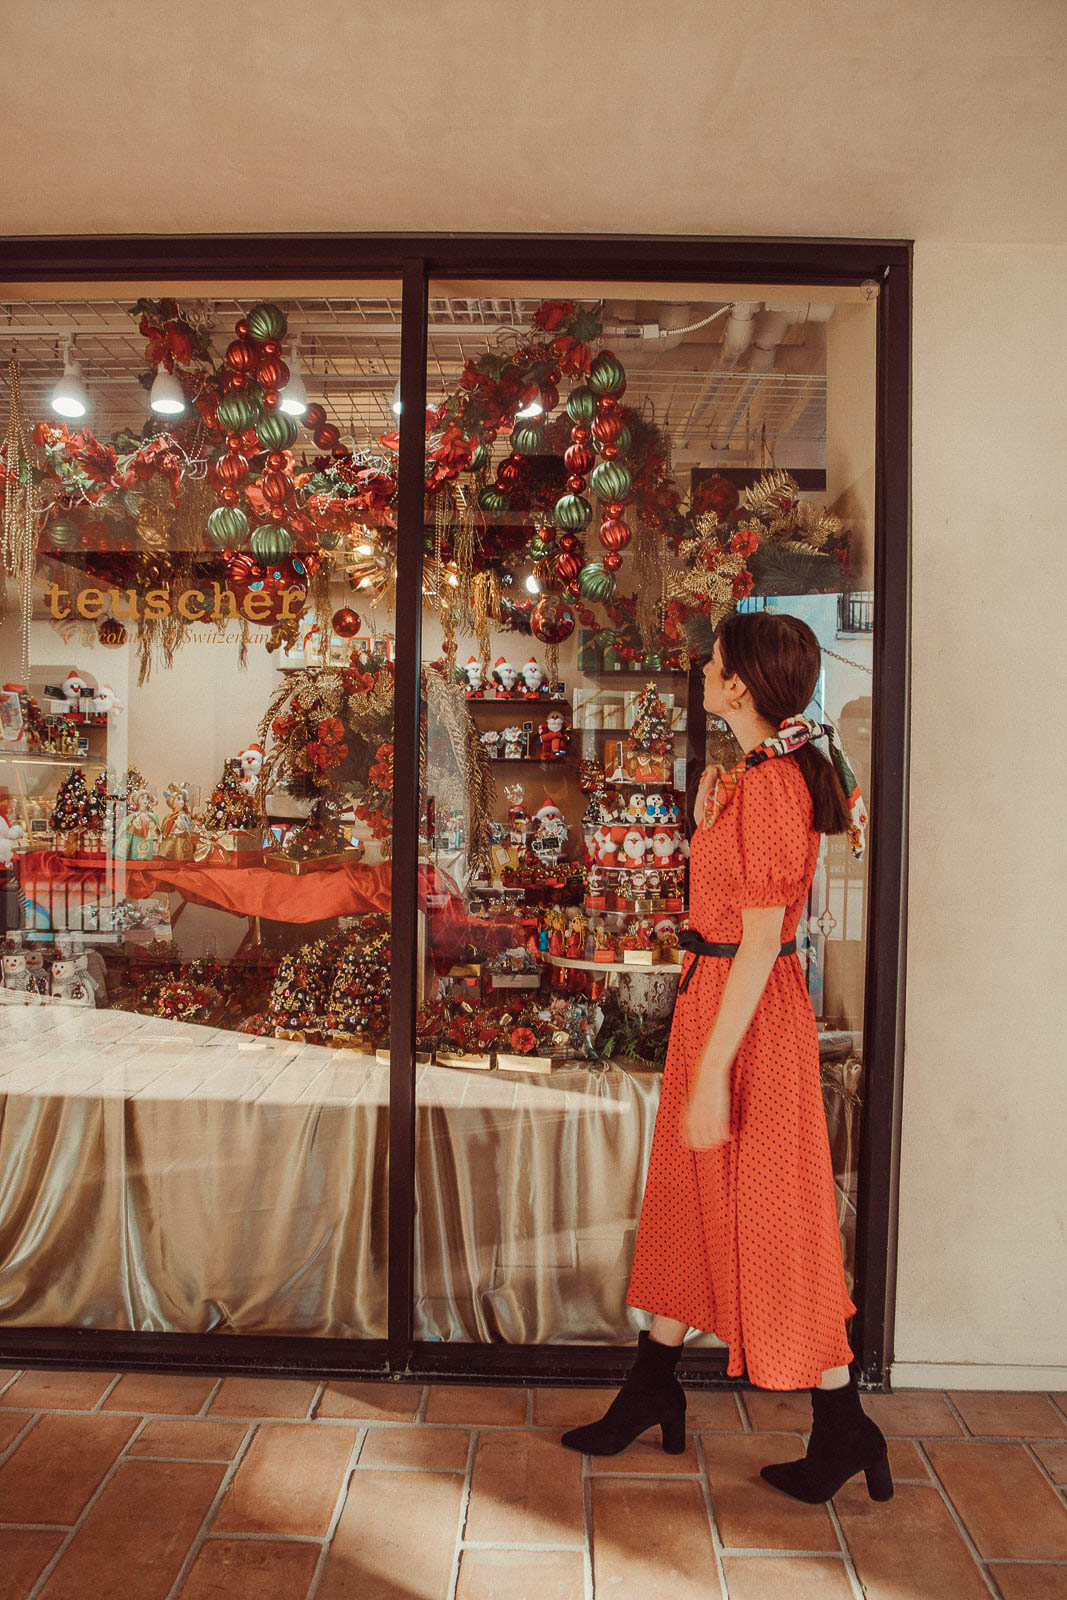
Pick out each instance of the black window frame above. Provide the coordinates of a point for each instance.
(415, 260)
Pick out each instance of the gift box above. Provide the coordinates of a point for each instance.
(507, 1062)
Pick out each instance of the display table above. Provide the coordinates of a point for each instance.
(46, 876)
(164, 1176)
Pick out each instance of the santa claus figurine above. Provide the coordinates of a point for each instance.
(553, 736)
(533, 680)
(550, 828)
(633, 847)
(663, 847)
(474, 678)
(73, 689)
(505, 677)
(250, 762)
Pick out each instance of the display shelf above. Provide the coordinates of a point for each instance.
(615, 966)
(32, 760)
(537, 761)
(545, 700)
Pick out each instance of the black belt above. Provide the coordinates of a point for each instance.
(688, 940)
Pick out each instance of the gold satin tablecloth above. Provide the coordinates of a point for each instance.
(167, 1177)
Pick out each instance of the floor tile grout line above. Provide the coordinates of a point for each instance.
(461, 1522)
(587, 1520)
(746, 1421)
(1055, 1404)
(717, 1547)
(200, 1537)
(964, 1532)
(24, 1432)
(339, 1505)
(1041, 1467)
(206, 1407)
(954, 1408)
(858, 1590)
(424, 1401)
(65, 1544)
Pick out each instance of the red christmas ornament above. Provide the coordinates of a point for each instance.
(271, 347)
(327, 436)
(567, 567)
(314, 417)
(549, 395)
(613, 560)
(239, 356)
(614, 534)
(608, 402)
(228, 496)
(578, 458)
(241, 329)
(345, 622)
(509, 473)
(551, 620)
(277, 514)
(569, 543)
(609, 451)
(275, 461)
(608, 427)
(275, 487)
(232, 470)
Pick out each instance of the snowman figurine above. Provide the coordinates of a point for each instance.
(533, 680)
(474, 679)
(635, 809)
(74, 687)
(17, 988)
(505, 677)
(106, 700)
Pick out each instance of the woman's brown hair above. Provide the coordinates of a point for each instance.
(777, 658)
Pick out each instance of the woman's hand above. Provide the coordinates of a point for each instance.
(707, 784)
(706, 1118)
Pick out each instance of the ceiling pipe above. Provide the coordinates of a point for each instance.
(737, 335)
(768, 336)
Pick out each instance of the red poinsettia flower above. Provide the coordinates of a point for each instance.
(523, 1040)
(743, 584)
(744, 541)
(552, 314)
(331, 730)
(318, 754)
(574, 356)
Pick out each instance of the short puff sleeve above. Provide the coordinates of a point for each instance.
(773, 820)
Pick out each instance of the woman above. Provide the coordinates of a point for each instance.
(738, 1233)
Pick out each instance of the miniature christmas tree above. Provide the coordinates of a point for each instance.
(72, 804)
(300, 997)
(231, 808)
(98, 806)
(650, 731)
(359, 996)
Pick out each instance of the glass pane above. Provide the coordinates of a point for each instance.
(610, 472)
(194, 776)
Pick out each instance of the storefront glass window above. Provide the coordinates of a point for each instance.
(195, 793)
(611, 470)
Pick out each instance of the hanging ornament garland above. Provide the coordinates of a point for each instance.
(21, 512)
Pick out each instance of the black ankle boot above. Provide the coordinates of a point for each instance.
(843, 1441)
(650, 1395)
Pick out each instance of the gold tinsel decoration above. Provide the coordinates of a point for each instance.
(21, 518)
(464, 781)
(172, 571)
(775, 495)
(322, 693)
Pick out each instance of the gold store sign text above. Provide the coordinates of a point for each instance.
(212, 604)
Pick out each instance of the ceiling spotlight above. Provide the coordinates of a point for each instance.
(395, 404)
(294, 397)
(167, 397)
(532, 585)
(69, 397)
(534, 409)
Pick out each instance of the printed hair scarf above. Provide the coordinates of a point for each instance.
(792, 735)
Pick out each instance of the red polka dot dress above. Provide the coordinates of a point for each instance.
(742, 1240)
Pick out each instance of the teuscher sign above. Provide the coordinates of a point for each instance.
(210, 604)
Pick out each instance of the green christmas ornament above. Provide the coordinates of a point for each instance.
(277, 430)
(611, 481)
(62, 533)
(238, 411)
(227, 527)
(581, 405)
(271, 543)
(494, 502)
(606, 374)
(573, 513)
(329, 538)
(265, 322)
(595, 582)
(480, 458)
(604, 639)
(527, 439)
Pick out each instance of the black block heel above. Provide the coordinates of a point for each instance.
(672, 1432)
(879, 1479)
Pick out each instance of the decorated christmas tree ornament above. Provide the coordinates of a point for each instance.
(62, 533)
(613, 561)
(493, 502)
(479, 458)
(581, 405)
(607, 428)
(111, 633)
(266, 321)
(237, 412)
(614, 534)
(606, 374)
(271, 543)
(551, 620)
(579, 458)
(345, 623)
(227, 527)
(567, 567)
(528, 438)
(314, 417)
(573, 513)
(277, 430)
(611, 481)
(595, 582)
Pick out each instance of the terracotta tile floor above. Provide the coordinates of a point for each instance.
(150, 1488)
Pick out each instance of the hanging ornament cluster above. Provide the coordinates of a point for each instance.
(598, 428)
(527, 438)
(253, 376)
